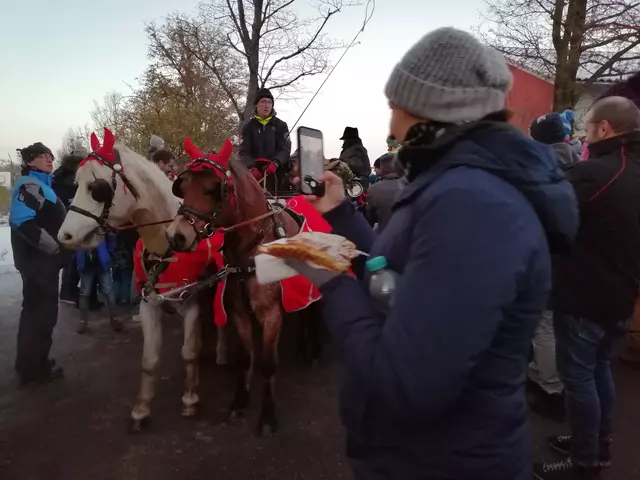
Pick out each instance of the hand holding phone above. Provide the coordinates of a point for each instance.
(311, 152)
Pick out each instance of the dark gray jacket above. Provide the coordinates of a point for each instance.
(355, 155)
(565, 154)
(380, 198)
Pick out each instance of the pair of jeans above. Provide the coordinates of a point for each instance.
(583, 354)
(122, 285)
(543, 370)
(87, 280)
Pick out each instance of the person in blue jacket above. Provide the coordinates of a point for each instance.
(434, 384)
(35, 217)
(96, 265)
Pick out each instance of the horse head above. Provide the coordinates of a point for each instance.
(216, 189)
(104, 199)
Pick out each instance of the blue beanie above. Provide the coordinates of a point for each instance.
(548, 129)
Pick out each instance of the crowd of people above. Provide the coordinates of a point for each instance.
(509, 250)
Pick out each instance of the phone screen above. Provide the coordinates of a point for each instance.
(311, 155)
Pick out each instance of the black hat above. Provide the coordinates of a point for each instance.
(548, 129)
(32, 151)
(350, 133)
(263, 93)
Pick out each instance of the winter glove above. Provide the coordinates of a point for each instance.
(256, 174)
(317, 276)
(266, 165)
(271, 169)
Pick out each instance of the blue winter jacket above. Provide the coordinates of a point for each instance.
(103, 251)
(35, 217)
(434, 389)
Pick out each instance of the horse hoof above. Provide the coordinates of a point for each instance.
(138, 425)
(266, 427)
(234, 415)
(189, 411)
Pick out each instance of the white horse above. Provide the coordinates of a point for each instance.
(116, 187)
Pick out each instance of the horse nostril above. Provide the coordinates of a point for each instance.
(67, 237)
(179, 240)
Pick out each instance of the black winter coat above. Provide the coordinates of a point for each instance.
(64, 179)
(265, 141)
(599, 278)
(355, 155)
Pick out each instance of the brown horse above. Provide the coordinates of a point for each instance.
(220, 192)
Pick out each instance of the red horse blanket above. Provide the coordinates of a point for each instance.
(184, 268)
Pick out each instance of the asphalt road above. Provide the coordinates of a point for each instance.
(75, 429)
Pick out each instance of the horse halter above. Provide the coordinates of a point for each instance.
(104, 192)
(190, 214)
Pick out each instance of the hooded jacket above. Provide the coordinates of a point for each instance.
(434, 385)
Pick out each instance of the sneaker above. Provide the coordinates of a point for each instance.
(562, 445)
(564, 470)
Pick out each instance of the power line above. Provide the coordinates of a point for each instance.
(367, 18)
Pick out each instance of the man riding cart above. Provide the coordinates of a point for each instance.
(266, 146)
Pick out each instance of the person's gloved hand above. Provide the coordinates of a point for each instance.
(256, 174)
(317, 276)
(271, 169)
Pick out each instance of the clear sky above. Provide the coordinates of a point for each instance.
(59, 56)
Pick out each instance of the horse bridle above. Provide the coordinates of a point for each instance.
(104, 192)
(190, 214)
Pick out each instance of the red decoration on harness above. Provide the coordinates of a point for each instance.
(298, 292)
(188, 267)
(105, 151)
(221, 159)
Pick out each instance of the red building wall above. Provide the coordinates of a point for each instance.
(529, 98)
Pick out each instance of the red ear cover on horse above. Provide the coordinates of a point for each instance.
(192, 150)
(108, 141)
(225, 153)
(95, 143)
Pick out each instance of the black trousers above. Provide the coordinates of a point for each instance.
(70, 279)
(38, 317)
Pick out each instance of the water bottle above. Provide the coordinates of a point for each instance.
(382, 285)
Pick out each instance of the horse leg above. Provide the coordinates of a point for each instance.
(150, 317)
(222, 347)
(190, 352)
(270, 317)
(314, 319)
(242, 321)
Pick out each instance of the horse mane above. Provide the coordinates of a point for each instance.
(250, 198)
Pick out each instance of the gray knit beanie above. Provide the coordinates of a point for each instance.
(449, 76)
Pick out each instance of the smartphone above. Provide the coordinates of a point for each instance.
(311, 152)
